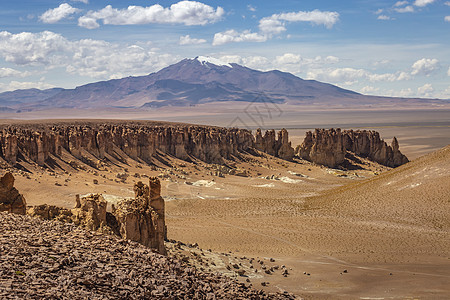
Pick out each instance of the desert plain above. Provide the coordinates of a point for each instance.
(365, 233)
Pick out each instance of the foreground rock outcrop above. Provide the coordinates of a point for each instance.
(140, 219)
(41, 259)
(10, 198)
(329, 146)
(141, 141)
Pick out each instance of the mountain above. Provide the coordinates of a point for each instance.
(191, 82)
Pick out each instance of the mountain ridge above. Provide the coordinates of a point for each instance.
(192, 82)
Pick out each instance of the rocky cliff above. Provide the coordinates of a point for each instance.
(10, 198)
(137, 140)
(280, 147)
(329, 146)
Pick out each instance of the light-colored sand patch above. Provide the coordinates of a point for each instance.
(286, 179)
(268, 185)
(204, 183)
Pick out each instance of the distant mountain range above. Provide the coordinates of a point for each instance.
(193, 82)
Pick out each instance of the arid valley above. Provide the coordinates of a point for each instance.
(364, 231)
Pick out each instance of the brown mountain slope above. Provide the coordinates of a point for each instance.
(415, 194)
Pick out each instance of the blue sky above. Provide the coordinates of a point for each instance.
(392, 48)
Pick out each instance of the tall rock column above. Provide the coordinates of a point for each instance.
(157, 203)
(10, 199)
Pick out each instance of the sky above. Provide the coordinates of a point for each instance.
(388, 48)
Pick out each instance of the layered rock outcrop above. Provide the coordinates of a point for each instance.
(140, 219)
(137, 140)
(279, 147)
(10, 198)
(329, 146)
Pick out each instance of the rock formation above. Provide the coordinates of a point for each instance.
(140, 219)
(137, 140)
(10, 199)
(280, 147)
(329, 146)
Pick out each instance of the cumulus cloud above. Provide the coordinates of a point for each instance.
(57, 14)
(384, 17)
(400, 3)
(232, 35)
(251, 8)
(86, 57)
(8, 72)
(276, 24)
(422, 3)
(350, 75)
(426, 90)
(369, 90)
(187, 40)
(288, 58)
(184, 12)
(425, 66)
(32, 48)
(316, 17)
(20, 85)
(406, 9)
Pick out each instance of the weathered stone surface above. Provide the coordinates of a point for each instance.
(280, 147)
(90, 212)
(138, 140)
(328, 147)
(142, 219)
(10, 198)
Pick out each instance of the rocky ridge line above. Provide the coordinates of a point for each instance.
(138, 141)
(329, 147)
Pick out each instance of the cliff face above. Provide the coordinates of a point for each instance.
(329, 146)
(138, 141)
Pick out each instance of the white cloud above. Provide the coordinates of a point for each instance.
(447, 19)
(288, 58)
(448, 72)
(8, 72)
(422, 3)
(251, 8)
(350, 75)
(406, 9)
(447, 3)
(379, 11)
(32, 48)
(57, 14)
(183, 12)
(187, 40)
(316, 17)
(369, 90)
(271, 26)
(384, 17)
(93, 58)
(425, 66)
(426, 90)
(232, 35)
(400, 3)
(83, 1)
(18, 85)
(88, 22)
